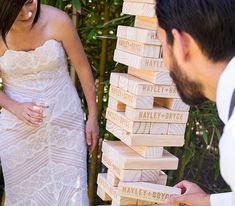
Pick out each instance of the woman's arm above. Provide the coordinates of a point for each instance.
(75, 51)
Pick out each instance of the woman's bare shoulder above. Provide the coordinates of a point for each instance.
(54, 15)
(57, 20)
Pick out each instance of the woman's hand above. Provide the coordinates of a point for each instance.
(92, 133)
(192, 195)
(28, 113)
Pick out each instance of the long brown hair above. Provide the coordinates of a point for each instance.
(9, 10)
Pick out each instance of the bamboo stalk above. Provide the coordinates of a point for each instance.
(102, 66)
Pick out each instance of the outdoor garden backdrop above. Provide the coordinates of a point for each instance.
(96, 22)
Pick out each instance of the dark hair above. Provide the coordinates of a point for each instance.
(9, 10)
(211, 23)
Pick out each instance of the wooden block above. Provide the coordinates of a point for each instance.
(176, 129)
(147, 191)
(148, 152)
(121, 121)
(123, 175)
(101, 193)
(162, 78)
(138, 34)
(159, 128)
(126, 158)
(116, 105)
(131, 99)
(139, 9)
(112, 178)
(158, 114)
(154, 176)
(146, 22)
(138, 48)
(138, 86)
(143, 63)
(123, 81)
(143, 202)
(141, 87)
(145, 139)
(114, 79)
(173, 104)
(113, 191)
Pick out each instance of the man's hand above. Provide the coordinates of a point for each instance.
(192, 195)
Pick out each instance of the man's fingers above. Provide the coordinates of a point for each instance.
(183, 184)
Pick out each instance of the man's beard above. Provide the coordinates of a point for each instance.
(191, 92)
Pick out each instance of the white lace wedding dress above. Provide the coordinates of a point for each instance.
(43, 166)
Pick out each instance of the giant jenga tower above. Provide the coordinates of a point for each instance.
(145, 112)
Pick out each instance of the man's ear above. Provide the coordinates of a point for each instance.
(181, 45)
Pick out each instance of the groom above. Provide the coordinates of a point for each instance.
(198, 40)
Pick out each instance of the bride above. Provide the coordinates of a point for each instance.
(43, 139)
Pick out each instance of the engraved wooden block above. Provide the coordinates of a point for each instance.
(101, 193)
(159, 128)
(154, 176)
(126, 158)
(139, 86)
(138, 34)
(131, 99)
(147, 191)
(143, 88)
(116, 105)
(176, 129)
(120, 120)
(139, 9)
(113, 191)
(158, 114)
(145, 139)
(138, 48)
(173, 104)
(114, 79)
(112, 179)
(146, 22)
(162, 77)
(143, 63)
(148, 152)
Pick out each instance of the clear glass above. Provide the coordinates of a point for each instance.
(44, 105)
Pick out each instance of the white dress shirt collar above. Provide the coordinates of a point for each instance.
(225, 89)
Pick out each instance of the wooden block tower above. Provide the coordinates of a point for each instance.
(145, 112)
